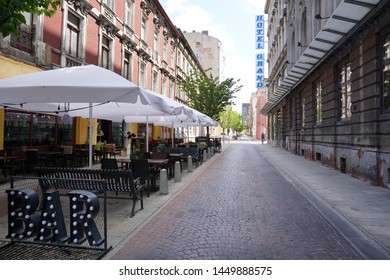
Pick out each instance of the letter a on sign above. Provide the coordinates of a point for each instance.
(52, 224)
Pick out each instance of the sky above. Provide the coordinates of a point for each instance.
(233, 23)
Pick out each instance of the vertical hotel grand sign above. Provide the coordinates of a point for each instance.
(259, 56)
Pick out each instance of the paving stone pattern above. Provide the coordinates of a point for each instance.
(240, 207)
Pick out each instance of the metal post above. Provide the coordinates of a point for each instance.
(163, 182)
(177, 172)
(189, 164)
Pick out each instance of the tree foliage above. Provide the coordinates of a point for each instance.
(231, 120)
(209, 95)
(11, 12)
(225, 118)
(237, 123)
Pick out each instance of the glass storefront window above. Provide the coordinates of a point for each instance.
(17, 129)
(117, 134)
(30, 129)
(65, 131)
(43, 130)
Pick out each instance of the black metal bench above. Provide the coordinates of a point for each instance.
(117, 181)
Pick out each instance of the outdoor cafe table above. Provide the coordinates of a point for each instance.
(50, 156)
(126, 162)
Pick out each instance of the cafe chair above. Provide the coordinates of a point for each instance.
(68, 155)
(141, 168)
(109, 163)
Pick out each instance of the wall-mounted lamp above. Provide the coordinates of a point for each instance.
(318, 16)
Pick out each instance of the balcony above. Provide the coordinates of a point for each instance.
(172, 73)
(108, 14)
(24, 41)
(180, 73)
(128, 37)
(107, 20)
(164, 67)
(72, 61)
(144, 50)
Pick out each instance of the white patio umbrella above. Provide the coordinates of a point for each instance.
(92, 85)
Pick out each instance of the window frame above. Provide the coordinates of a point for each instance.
(128, 65)
(72, 28)
(142, 74)
(317, 96)
(106, 52)
(129, 13)
(344, 86)
(385, 94)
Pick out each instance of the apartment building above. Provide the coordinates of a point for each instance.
(328, 97)
(133, 38)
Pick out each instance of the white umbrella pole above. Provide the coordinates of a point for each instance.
(90, 136)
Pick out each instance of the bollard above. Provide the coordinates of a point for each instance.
(163, 181)
(204, 156)
(208, 153)
(177, 172)
(189, 164)
(212, 151)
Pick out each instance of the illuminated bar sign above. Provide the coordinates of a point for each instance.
(260, 56)
(25, 221)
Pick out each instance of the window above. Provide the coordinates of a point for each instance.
(144, 28)
(318, 101)
(164, 86)
(386, 74)
(291, 114)
(303, 111)
(165, 51)
(105, 61)
(178, 62)
(44, 130)
(154, 82)
(129, 13)
(345, 74)
(142, 75)
(171, 89)
(172, 57)
(127, 66)
(26, 129)
(17, 129)
(64, 130)
(156, 43)
(72, 35)
(109, 3)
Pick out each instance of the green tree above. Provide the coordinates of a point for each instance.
(225, 119)
(209, 95)
(11, 12)
(237, 123)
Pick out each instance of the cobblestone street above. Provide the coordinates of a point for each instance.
(240, 207)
